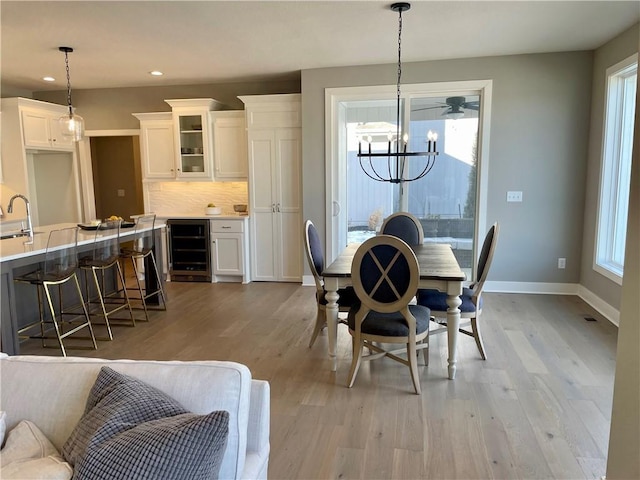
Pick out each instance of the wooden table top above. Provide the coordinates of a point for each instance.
(436, 261)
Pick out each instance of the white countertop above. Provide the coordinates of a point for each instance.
(223, 216)
(15, 248)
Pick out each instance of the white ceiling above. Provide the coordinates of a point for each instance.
(117, 43)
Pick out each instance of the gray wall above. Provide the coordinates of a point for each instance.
(539, 130)
(609, 54)
(111, 109)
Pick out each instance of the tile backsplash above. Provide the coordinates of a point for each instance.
(192, 197)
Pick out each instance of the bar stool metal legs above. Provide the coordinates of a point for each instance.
(59, 268)
(149, 289)
(59, 326)
(104, 258)
(142, 253)
(105, 299)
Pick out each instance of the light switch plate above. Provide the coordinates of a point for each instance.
(514, 196)
(121, 192)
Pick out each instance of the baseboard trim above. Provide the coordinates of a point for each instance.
(606, 310)
(532, 287)
(602, 307)
(308, 281)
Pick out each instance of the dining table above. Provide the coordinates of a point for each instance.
(439, 270)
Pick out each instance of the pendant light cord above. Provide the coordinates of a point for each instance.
(66, 62)
(399, 77)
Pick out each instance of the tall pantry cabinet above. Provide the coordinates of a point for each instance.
(275, 162)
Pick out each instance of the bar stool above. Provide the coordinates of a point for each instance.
(141, 254)
(60, 266)
(105, 257)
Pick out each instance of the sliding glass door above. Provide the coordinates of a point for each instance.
(445, 200)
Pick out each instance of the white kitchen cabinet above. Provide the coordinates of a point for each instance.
(157, 150)
(230, 145)
(229, 252)
(41, 128)
(274, 152)
(193, 143)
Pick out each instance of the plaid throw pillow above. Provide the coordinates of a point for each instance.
(131, 430)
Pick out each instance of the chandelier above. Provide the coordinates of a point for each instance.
(71, 125)
(395, 168)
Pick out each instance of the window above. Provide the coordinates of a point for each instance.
(615, 175)
(444, 200)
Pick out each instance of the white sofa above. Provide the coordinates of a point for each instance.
(51, 392)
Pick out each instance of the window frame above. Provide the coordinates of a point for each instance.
(334, 96)
(611, 164)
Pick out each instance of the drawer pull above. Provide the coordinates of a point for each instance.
(226, 226)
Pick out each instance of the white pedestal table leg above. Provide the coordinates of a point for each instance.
(331, 286)
(453, 324)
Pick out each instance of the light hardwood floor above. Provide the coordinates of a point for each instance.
(538, 407)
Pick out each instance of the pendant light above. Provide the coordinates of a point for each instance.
(392, 166)
(71, 125)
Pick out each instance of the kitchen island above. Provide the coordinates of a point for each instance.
(18, 302)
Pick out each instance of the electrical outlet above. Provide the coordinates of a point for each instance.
(562, 263)
(514, 196)
(121, 192)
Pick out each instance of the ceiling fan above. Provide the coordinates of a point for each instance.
(455, 107)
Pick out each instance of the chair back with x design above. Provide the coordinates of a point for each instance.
(385, 273)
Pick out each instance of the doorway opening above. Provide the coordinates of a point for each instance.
(111, 174)
(117, 178)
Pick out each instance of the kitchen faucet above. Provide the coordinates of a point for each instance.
(29, 229)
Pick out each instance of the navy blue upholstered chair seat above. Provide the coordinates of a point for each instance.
(437, 300)
(391, 324)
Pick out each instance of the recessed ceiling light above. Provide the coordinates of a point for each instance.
(49, 79)
(156, 73)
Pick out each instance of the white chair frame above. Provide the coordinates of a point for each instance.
(414, 342)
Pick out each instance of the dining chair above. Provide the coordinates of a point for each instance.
(471, 306)
(385, 275)
(110, 294)
(315, 256)
(141, 254)
(59, 267)
(405, 226)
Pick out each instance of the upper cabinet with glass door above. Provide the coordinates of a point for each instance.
(193, 137)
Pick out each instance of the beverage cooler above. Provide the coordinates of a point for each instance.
(189, 253)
